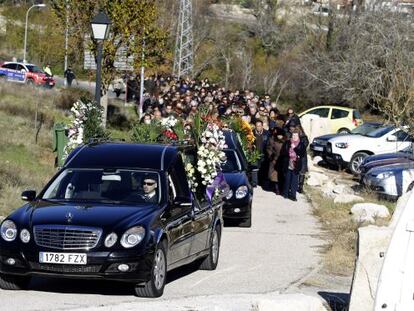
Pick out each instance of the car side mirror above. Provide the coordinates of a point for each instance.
(391, 138)
(28, 195)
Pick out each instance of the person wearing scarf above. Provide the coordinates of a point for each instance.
(292, 153)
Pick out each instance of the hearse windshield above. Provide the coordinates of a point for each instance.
(106, 186)
(232, 163)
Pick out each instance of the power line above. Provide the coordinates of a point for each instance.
(183, 57)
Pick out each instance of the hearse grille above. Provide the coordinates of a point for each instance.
(65, 268)
(67, 237)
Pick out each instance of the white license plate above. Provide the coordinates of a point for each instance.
(317, 148)
(63, 258)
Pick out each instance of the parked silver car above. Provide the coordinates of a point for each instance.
(391, 180)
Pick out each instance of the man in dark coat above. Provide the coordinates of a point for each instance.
(69, 75)
(292, 119)
(261, 139)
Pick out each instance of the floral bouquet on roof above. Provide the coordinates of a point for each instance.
(246, 136)
(86, 124)
(168, 132)
(210, 157)
(204, 167)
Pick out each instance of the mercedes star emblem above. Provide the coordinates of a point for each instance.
(69, 217)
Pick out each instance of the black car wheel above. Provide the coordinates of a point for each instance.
(11, 282)
(211, 261)
(155, 286)
(343, 130)
(356, 162)
(247, 222)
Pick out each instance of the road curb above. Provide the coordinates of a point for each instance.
(292, 302)
(239, 302)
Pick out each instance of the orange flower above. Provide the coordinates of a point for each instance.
(250, 139)
(248, 131)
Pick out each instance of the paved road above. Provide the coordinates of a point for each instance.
(278, 251)
(90, 86)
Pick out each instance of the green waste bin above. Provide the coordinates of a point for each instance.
(60, 140)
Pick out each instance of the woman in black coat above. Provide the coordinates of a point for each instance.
(304, 169)
(292, 155)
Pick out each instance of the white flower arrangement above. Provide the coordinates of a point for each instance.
(210, 153)
(80, 114)
(192, 179)
(169, 122)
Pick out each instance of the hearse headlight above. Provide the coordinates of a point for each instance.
(241, 192)
(229, 194)
(8, 230)
(111, 239)
(342, 145)
(132, 237)
(25, 236)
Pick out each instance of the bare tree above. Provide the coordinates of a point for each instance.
(369, 64)
(245, 56)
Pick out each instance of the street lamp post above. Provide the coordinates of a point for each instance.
(100, 28)
(65, 66)
(25, 28)
(141, 89)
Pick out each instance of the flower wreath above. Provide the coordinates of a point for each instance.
(86, 120)
(210, 156)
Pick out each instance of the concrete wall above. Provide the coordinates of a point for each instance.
(372, 245)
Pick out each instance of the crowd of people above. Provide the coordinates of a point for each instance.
(279, 137)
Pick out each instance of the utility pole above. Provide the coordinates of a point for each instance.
(141, 89)
(183, 57)
(66, 40)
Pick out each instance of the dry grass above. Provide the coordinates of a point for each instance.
(24, 162)
(25, 101)
(26, 156)
(340, 231)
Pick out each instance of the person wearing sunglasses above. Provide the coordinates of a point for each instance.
(149, 186)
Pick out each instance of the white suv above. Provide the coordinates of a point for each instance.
(350, 150)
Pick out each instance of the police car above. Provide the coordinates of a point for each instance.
(25, 73)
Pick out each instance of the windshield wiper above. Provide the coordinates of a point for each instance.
(53, 200)
(108, 201)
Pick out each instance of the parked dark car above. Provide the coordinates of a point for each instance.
(97, 219)
(401, 157)
(238, 175)
(318, 145)
(390, 181)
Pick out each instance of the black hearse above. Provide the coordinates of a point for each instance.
(240, 178)
(97, 219)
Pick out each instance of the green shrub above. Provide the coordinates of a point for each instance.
(117, 119)
(69, 96)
